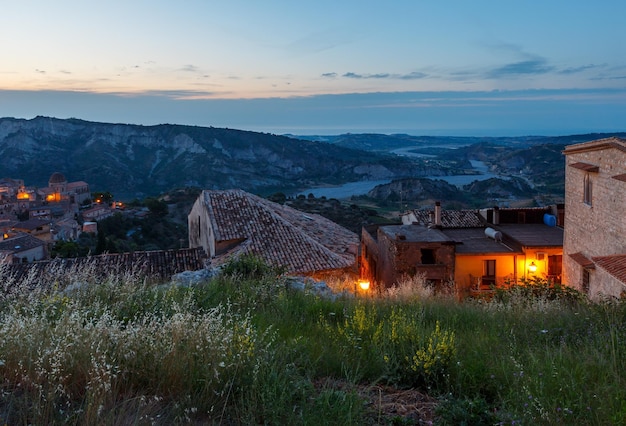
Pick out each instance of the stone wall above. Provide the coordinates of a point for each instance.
(599, 228)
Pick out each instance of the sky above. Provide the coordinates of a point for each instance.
(422, 67)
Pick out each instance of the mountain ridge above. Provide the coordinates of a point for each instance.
(137, 160)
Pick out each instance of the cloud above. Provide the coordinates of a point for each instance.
(365, 76)
(575, 70)
(411, 76)
(529, 67)
(190, 68)
(329, 75)
(40, 71)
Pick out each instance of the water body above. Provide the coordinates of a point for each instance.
(349, 189)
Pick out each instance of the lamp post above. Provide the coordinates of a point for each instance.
(362, 284)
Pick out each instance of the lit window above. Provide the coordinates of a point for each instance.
(489, 272)
(587, 190)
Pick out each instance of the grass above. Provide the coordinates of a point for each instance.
(245, 348)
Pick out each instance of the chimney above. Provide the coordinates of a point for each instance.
(438, 213)
(496, 215)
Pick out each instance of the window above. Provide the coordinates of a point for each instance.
(587, 189)
(585, 281)
(428, 256)
(489, 272)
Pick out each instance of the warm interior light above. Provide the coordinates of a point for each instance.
(364, 284)
(532, 267)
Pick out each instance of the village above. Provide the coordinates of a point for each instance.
(469, 252)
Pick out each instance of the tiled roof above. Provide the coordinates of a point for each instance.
(583, 260)
(77, 184)
(450, 218)
(596, 145)
(31, 224)
(415, 233)
(614, 265)
(158, 263)
(20, 243)
(281, 235)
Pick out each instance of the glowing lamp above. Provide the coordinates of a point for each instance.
(532, 267)
(364, 285)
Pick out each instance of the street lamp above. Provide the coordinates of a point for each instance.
(364, 284)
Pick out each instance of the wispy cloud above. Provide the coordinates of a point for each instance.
(329, 75)
(529, 67)
(190, 68)
(575, 70)
(411, 76)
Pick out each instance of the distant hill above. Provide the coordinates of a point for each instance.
(135, 161)
(381, 142)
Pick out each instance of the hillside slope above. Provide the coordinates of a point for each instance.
(133, 160)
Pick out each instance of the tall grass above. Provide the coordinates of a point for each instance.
(245, 348)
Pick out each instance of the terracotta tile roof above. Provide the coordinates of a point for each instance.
(450, 218)
(583, 260)
(614, 265)
(599, 144)
(160, 264)
(415, 233)
(283, 236)
(585, 166)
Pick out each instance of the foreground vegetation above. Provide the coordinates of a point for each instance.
(247, 348)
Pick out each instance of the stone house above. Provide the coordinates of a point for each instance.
(97, 212)
(232, 223)
(477, 249)
(595, 223)
(23, 248)
(36, 227)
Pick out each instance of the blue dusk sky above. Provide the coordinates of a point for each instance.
(423, 67)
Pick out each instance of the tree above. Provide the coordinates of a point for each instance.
(104, 197)
(157, 207)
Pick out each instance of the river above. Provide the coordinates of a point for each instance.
(364, 186)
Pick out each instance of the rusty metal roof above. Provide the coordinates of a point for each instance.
(281, 235)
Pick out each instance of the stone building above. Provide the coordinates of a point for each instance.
(595, 219)
(232, 223)
(477, 249)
